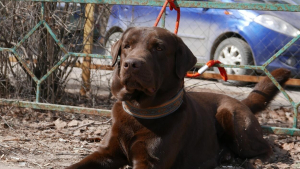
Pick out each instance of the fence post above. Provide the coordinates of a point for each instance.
(87, 49)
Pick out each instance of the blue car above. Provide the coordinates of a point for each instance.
(238, 37)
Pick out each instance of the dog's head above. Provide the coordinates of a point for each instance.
(152, 65)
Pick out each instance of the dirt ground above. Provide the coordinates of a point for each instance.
(54, 140)
(44, 139)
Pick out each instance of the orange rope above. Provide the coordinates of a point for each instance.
(160, 13)
(172, 6)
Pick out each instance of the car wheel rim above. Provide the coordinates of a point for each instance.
(232, 56)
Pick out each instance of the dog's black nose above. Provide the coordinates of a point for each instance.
(131, 63)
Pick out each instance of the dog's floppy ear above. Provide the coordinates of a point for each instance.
(116, 51)
(185, 59)
(116, 48)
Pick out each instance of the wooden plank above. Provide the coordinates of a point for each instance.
(244, 78)
(77, 64)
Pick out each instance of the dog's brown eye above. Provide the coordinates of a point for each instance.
(158, 48)
(126, 46)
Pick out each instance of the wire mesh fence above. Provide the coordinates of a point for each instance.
(37, 36)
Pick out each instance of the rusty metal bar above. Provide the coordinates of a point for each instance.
(79, 65)
(38, 92)
(26, 67)
(6, 50)
(43, 11)
(90, 55)
(55, 38)
(55, 107)
(296, 107)
(54, 68)
(198, 65)
(281, 130)
(281, 89)
(163, 19)
(284, 48)
(193, 4)
(28, 34)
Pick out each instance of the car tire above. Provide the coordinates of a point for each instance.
(110, 40)
(234, 51)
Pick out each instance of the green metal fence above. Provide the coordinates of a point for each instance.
(203, 4)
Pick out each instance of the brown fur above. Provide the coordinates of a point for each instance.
(265, 91)
(151, 70)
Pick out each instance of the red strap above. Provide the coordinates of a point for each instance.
(221, 69)
(172, 5)
(210, 64)
(192, 74)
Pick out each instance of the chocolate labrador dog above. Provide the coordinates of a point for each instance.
(156, 124)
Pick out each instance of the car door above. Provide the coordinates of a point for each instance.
(193, 29)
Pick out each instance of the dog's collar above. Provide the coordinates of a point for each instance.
(155, 112)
